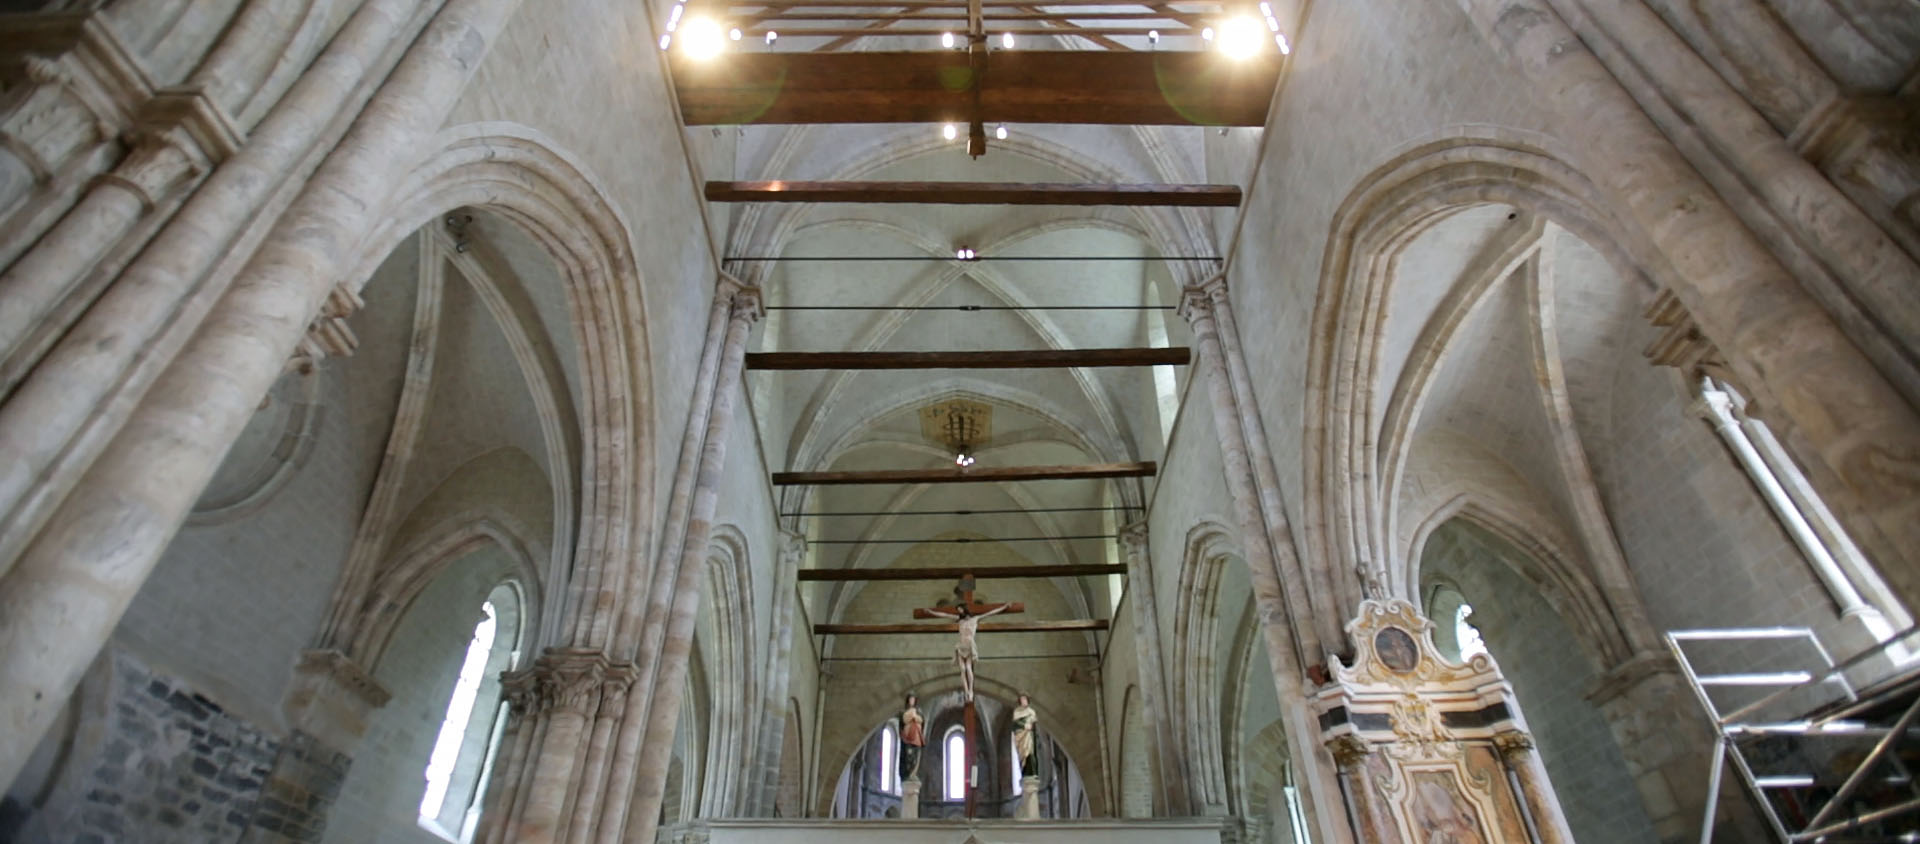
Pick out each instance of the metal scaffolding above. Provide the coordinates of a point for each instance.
(1777, 741)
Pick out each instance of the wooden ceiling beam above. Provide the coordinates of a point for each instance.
(1162, 88)
(957, 572)
(971, 474)
(1021, 359)
(978, 193)
(985, 627)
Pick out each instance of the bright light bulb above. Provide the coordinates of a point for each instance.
(1240, 38)
(949, 131)
(675, 16)
(1206, 34)
(1285, 48)
(946, 40)
(1006, 40)
(772, 36)
(1000, 133)
(734, 34)
(1266, 9)
(1153, 35)
(1273, 25)
(702, 39)
(666, 41)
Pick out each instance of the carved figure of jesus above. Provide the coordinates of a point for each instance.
(965, 651)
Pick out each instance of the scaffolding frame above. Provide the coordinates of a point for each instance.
(1829, 720)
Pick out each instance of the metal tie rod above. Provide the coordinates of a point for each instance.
(960, 540)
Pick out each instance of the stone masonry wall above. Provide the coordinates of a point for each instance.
(173, 766)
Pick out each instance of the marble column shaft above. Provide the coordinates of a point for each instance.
(1517, 753)
(1783, 344)
(1281, 610)
(675, 636)
(63, 597)
(1170, 766)
(67, 410)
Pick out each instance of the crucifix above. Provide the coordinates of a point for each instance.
(967, 613)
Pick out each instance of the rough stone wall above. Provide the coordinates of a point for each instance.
(1550, 676)
(173, 767)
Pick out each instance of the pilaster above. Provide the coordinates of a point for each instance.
(328, 708)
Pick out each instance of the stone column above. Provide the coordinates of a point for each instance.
(1864, 278)
(1364, 815)
(1777, 338)
(1169, 764)
(910, 798)
(573, 686)
(328, 708)
(183, 135)
(1327, 588)
(519, 691)
(671, 622)
(1283, 611)
(64, 414)
(1543, 808)
(773, 705)
(63, 597)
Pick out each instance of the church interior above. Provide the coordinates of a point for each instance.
(959, 421)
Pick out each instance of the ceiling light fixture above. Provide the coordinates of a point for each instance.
(1206, 34)
(1006, 40)
(734, 34)
(1240, 38)
(946, 40)
(1001, 132)
(949, 131)
(702, 39)
(1285, 47)
(772, 36)
(965, 253)
(666, 41)
(1153, 36)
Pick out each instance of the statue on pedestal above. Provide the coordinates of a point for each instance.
(913, 737)
(1024, 720)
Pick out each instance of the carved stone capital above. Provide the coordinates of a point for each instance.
(619, 680)
(1514, 745)
(86, 86)
(1349, 751)
(570, 680)
(1134, 536)
(1196, 305)
(181, 134)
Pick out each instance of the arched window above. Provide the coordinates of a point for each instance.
(953, 786)
(1467, 635)
(1849, 578)
(1454, 634)
(889, 759)
(462, 755)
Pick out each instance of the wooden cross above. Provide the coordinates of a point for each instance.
(974, 607)
(970, 717)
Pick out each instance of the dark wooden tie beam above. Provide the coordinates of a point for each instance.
(1034, 359)
(954, 573)
(972, 474)
(978, 193)
(1160, 88)
(985, 627)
